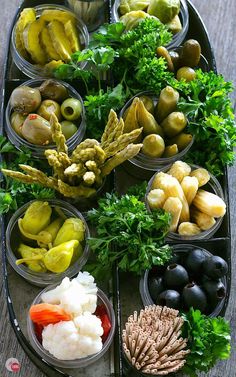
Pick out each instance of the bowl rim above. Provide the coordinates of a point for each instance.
(178, 248)
(46, 278)
(77, 363)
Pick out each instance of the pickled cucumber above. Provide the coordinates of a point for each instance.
(59, 40)
(27, 15)
(31, 42)
(72, 35)
(50, 15)
(47, 44)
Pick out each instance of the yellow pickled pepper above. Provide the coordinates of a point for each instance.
(72, 229)
(52, 230)
(36, 217)
(58, 259)
(32, 257)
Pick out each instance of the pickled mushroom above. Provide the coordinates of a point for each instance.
(51, 89)
(165, 10)
(58, 259)
(133, 18)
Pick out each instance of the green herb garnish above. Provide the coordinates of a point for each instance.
(208, 341)
(128, 234)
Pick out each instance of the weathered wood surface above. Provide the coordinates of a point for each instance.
(219, 17)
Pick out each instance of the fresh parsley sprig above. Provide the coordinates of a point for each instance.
(128, 234)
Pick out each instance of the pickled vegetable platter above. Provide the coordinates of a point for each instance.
(104, 171)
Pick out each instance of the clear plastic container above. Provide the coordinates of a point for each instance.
(183, 15)
(38, 150)
(92, 12)
(78, 363)
(33, 70)
(212, 186)
(183, 249)
(13, 239)
(142, 163)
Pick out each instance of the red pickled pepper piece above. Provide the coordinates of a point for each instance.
(46, 314)
(106, 323)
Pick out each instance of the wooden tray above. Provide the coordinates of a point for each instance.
(124, 289)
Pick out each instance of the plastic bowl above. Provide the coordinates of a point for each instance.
(13, 240)
(177, 38)
(141, 162)
(33, 70)
(78, 363)
(183, 249)
(38, 150)
(212, 186)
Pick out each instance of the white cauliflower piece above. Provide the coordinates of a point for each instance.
(88, 324)
(76, 296)
(72, 340)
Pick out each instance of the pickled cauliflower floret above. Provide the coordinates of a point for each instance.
(74, 296)
(72, 340)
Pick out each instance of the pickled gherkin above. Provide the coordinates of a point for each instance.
(32, 257)
(58, 259)
(37, 217)
(72, 229)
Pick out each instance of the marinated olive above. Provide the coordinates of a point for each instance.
(53, 90)
(71, 109)
(175, 58)
(186, 73)
(17, 121)
(190, 53)
(36, 130)
(153, 145)
(25, 99)
(148, 103)
(48, 107)
(68, 128)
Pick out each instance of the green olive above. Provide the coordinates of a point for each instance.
(25, 99)
(186, 73)
(17, 121)
(71, 109)
(48, 107)
(190, 53)
(37, 130)
(153, 145)
(68, 128)
(175, 58)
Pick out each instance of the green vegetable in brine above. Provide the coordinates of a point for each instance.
(72, 229)
(153, 146)
(36, 217)
(133, 18)
(32, 257)
(147, 121)
(58, 259)
(186, 73)
(167, 103)
(148, 103)
(174, 123)
(165, 10)
(51, 229)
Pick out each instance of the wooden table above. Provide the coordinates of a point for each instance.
(219, 17)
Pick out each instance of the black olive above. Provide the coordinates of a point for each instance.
(194, 260)
(215, 291)
(215, 267)
(156, 286)
(169, 298)
(175, 276)
(194, 296)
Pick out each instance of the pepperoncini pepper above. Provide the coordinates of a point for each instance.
(32, 257)
(58, 259)
(51, 229)
(72, 229)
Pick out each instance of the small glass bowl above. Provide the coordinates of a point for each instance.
(13, 239)
(93, 12)
(177, 38)
(141, 162)
(184, 249)
(33, 70)
(78, 363)
(212, 186)
(38, 150)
